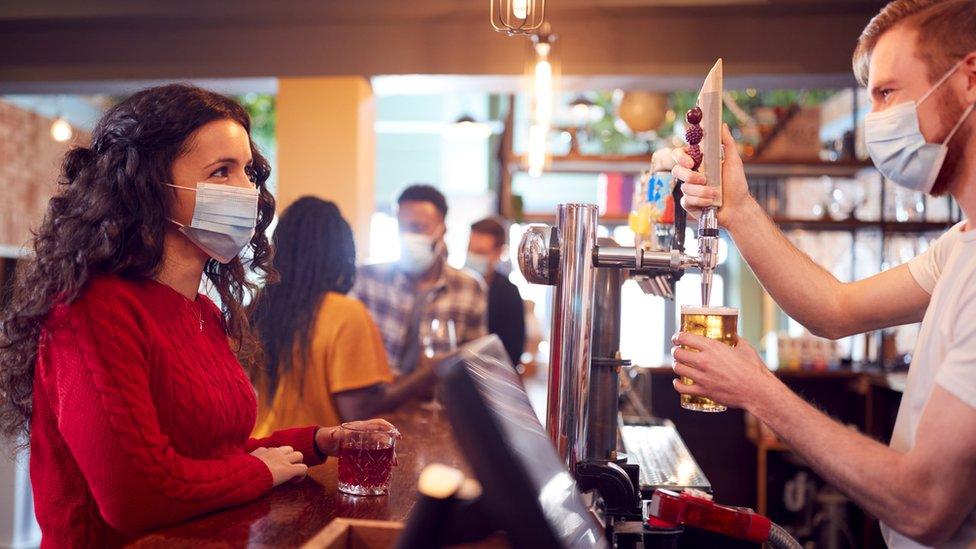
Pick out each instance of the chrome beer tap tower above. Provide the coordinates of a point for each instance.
(582, 407)
(583, 392)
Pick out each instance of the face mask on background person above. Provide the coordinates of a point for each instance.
(479, 263)
(417, 252)
(898, 148)
(223, 221)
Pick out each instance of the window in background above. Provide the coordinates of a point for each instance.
(642, 326)
(419, 141)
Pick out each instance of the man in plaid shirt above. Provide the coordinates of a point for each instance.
(407, 296)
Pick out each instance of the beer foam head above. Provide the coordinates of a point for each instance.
(689, 310)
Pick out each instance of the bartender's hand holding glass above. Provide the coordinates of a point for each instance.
(735, 190)
(733, 376)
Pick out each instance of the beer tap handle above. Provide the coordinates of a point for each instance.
(680, 218)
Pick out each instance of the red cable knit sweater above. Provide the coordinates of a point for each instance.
(141, 416)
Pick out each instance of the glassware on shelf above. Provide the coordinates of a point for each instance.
(842, 199)
(903, 205)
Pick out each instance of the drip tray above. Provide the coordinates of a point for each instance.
(662, 456)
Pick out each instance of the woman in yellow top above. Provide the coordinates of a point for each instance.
(324, 358)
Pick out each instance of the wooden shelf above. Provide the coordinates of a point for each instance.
(578, 163)
(843, 168)
(858, 225)
(889, 227)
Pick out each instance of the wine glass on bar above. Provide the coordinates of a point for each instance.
(438, 339)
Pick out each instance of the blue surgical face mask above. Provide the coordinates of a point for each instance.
(223, 221)
(479, 263)
(898, 148)
(417, 252)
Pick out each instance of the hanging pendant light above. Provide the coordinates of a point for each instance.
(517, 16)
(542, 97)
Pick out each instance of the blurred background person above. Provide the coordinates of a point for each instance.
(506, 316)
(420, 292)
(324, 361)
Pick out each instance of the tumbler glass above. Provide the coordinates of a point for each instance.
(366, 459)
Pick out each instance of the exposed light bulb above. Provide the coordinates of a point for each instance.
(517, 16)
(541, 109)
(543, 93)
(520, 9)
(61, 130)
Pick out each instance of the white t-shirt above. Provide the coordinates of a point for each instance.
(945, 352)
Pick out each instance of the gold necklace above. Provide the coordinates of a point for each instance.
(196, 307)
(191, 302)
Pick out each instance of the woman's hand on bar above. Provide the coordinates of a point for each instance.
(733, 376)
(284, 463)
(697, 196)
(327, 439)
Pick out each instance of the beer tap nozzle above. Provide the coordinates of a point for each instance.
(707, 251)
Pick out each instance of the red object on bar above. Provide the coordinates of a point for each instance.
(669, 509)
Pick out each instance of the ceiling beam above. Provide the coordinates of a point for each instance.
(59, 41)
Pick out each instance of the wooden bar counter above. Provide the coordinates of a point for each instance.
(290, 515)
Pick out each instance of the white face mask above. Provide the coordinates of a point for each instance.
(898, 148)
(417, 252)
(479, 263)
(223, 221)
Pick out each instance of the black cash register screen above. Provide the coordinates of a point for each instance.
(528, 491)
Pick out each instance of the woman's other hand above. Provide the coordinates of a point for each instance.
(284, 463)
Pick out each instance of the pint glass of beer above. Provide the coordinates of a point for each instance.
(718, 323)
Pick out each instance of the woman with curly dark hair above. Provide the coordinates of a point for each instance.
(137, 409)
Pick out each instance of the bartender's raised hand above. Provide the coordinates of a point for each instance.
(284, 463)
(697, 196)
(328, 439)
(733, 376)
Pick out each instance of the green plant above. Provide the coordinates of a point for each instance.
(604, 130)
(261, 108)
